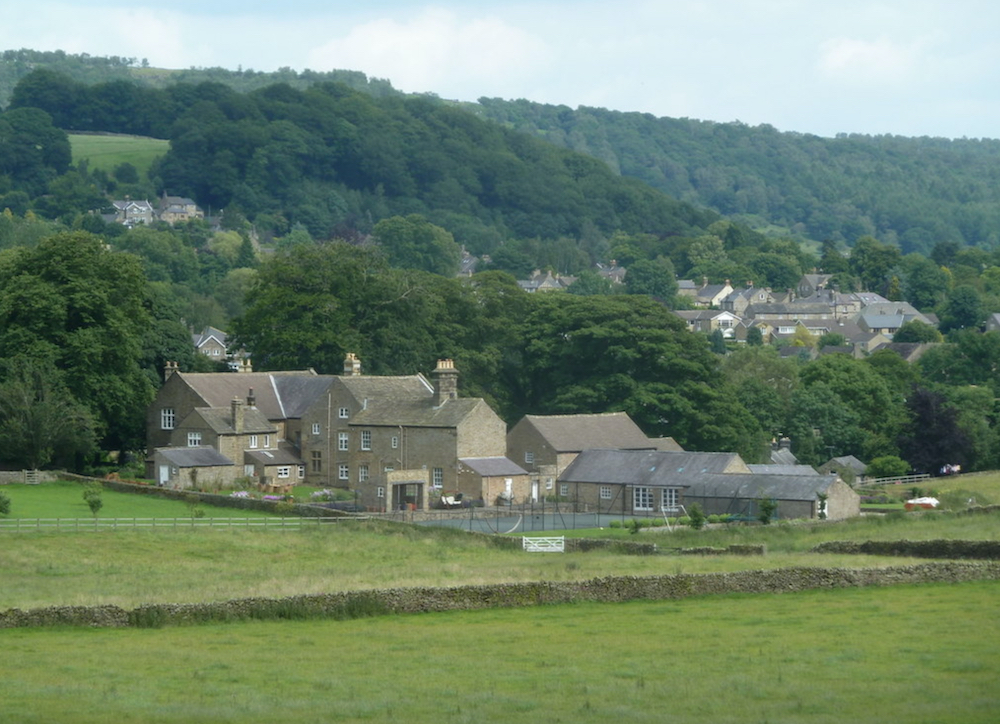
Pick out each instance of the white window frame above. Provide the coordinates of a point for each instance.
(366, 439)
(284, 472)
(642, 498)
(606, 492)
(529, 457)
(437, 477)
(168, 418)
(315, 428)
(395, 442)
(253, 442)
(302, 471)
(563, 490)
(380, 492)
(363, 473)
(343, 471)
(194, 439)
(344, 413)
(343, 441)
(669, 500)
(249, 471)
(267, 442)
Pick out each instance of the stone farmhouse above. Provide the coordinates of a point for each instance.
(653, 483)
(399, 441)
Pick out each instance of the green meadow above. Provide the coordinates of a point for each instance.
(107, 151)
(905, 653)
(900, 654)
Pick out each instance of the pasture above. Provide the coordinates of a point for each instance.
(907, 653)
(107, 151)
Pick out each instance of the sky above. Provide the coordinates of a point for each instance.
(900, 67)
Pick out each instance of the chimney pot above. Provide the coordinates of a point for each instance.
(445, 382)
(352, 365)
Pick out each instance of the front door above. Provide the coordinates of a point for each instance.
(164, 477)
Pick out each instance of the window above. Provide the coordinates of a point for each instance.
(302, 471)
(362, 473)
(395, 441)
(167, 418)
(194, 439)
(366, 439)
(317, 461)
(642, 498)
(668, 499)
(380, 492)
(344, 413)
(284, 471)
(564, 490)
(605, 492)
(529, 457)
(388, 468)
(437, 477)
(344, 471)
(249, 471)
(315, 428)
(342, 441)
(548, 483)
(267, 441)
(253, 442)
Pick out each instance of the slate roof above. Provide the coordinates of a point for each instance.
(782, 469)
(750, 486)
(219, 388)
(220, 420)
(783, 456)
(194, 457)
(639, 467)
(282, 456)
(494, 466)
(200, 338)
(847, 461)
(298, 392)
(572, 433)
(416, 413)
(666, 444)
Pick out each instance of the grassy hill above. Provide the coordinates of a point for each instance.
(106, 151)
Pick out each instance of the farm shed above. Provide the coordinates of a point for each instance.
(191, 467)
(797, 496)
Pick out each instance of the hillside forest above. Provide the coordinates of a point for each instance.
(337, 219)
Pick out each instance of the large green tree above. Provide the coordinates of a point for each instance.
(73, 304)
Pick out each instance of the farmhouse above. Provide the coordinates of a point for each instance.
(395, 440)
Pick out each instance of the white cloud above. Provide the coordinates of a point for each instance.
(437, 50)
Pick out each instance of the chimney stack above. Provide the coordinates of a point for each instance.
(445, 382)
(169, 370)
(246, 366)
(237, 408)
(352, 365)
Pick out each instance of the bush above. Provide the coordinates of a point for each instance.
(697, 516)
(4, 504)
(887, 466)
(615, 524)
(92, 495)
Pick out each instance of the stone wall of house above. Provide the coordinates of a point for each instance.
(842, 502)
(482, 434)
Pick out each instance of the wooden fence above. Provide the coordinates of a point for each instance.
(553, 544)
(896, 480)
(97, 524)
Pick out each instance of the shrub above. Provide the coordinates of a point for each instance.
(684, 520)
(887, 466)
(92, 496)
(615, 524)
(4, 504)
(697, 516)
(767, 508)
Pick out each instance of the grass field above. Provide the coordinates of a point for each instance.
(64, 499)
(108, 151)
(131, 567)
(902, 654)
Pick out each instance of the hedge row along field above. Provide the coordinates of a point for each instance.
(351, 605)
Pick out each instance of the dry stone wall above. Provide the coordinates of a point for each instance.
(512, 595)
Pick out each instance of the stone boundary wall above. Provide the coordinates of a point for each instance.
(969, 549)
(8, 477)
(397, 601)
